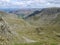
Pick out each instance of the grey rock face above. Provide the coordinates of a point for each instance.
(5, 33)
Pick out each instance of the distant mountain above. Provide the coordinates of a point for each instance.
(33, 14)
(23, 12)
(8, 9)
(45, 16)
(20, 12)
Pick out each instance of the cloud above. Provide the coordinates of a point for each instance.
(29, 3)
(5, 0)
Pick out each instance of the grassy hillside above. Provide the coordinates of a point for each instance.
(27, 34)
(47, 22)
(36, 30)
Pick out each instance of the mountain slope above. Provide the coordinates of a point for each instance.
(16, 29)
(45, 16)
(20, 32)
(27, 33)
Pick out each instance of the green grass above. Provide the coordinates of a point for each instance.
(37, 43)
(30, 43)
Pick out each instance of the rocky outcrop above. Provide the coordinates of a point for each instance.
(5, 33)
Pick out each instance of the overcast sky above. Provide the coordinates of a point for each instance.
(29, 3)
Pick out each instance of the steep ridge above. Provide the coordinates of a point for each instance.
(33, 14)
(45, 16)
(6, 34)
